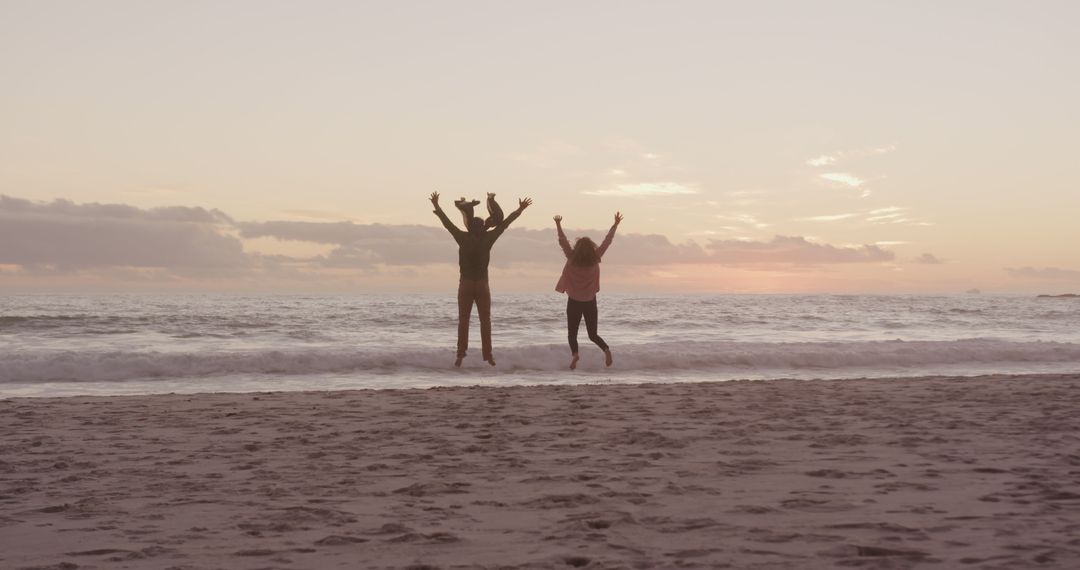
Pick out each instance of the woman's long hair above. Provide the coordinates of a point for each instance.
(585, 253)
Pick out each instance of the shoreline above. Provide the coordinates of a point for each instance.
(926, 472)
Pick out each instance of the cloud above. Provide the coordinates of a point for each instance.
(367, 245)
(745, 193)
(928, 259)
(793, 250)
(325, 215)
(128, 244)
(743, 218)
(340, 233)
(828, 217)
(879, 216)
(62, 235)
(1045, 273)
(645, 189)
(10, 205)
(887, 214)
(823, 160)
(845, 178)
(827, 159)
(361, 245)
(890, 215)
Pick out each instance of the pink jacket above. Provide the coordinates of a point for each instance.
(581, 283)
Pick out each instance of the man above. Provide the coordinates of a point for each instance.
(474, 253)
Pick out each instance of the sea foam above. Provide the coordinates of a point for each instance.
(76, 366)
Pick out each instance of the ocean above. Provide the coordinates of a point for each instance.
(60, 345)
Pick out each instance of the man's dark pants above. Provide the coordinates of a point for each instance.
(474, 291)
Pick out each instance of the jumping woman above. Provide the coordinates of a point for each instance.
(580, 281)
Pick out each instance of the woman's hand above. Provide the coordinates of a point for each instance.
(558, 219)
(618, 218)
(524, 203)
(434, 199)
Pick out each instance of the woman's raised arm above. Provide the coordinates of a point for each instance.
(610, 235)
(563, 242)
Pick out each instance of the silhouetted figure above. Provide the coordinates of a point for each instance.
(495, 213)
(466, 208)
(580, 280)
(474, 253)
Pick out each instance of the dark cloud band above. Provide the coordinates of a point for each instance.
(87, 236)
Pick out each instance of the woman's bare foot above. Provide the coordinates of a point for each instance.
(491, 360)
(573, 361)
(607, 357)
(457, 362)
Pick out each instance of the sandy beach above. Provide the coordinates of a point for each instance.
(906, 473)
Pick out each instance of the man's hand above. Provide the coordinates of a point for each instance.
(618, 218)
(524, 203)
(434, 199)
(558, 219)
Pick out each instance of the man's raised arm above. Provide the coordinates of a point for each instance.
(499, 229)
(450, 227)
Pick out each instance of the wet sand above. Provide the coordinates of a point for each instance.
(907, 473)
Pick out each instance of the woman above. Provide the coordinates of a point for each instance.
(580, 281)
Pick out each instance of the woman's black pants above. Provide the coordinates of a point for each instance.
(574, 311)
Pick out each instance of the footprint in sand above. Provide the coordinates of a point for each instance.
(561, 501)
(816, 505)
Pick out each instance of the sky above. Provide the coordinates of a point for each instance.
(754, 147)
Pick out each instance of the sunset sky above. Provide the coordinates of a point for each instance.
(825, 146)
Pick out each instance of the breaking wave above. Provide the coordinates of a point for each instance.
(76, 366)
